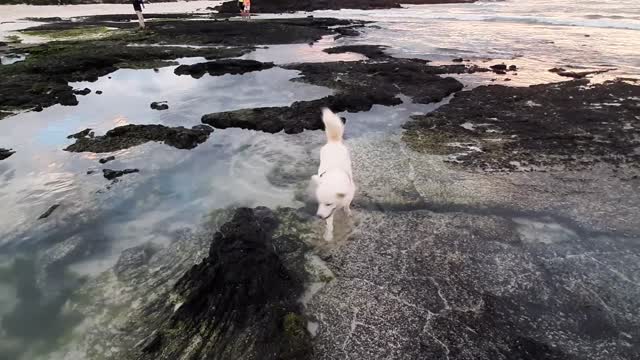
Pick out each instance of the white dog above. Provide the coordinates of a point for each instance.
(334, 183)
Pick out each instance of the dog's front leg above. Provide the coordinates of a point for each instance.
(328, 233)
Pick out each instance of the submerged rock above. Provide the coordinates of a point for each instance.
(222, 67)
(124, 137)
(358, 85)
(5, 153)
(571, 124)
(132, 259)
(113, 174)
(49, 212)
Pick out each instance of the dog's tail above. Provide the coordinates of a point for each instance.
(333, 125)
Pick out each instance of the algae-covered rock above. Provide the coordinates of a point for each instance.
(126, 136)
(240, 302)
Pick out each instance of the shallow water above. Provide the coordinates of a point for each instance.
(177, 189)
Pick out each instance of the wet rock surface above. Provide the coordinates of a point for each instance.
(474, 287)
(571, 124)
(358, 85)
(124, 137)
(5, 153)
(222, 67)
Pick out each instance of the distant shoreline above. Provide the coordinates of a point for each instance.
(347, 5)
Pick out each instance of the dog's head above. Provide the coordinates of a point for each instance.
(331, 191)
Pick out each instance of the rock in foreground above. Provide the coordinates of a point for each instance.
(240, 302)
(127, 136)
(571, 124)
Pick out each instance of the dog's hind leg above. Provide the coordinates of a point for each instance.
(328, 232)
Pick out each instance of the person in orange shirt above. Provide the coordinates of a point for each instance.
(247, 8)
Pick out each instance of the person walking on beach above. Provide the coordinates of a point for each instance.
(137, 6)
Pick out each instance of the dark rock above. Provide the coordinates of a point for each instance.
(358, 85)
(500, 72)
(222, 67)
(241, 301)
(502, 67)
(99, 92)
(159, 105)
(113, 174)
(3, 44)
(577, 74)
(80, 134)
(370, 51)
(85, 91)
(283, 6)
(507, 79)
(89, 172)
(5, 153)
(49, 212)
(513, 68)
(38, 108)
(566, 124)
(124, 137)
(459, 60)
(43, 80)
(107, 159)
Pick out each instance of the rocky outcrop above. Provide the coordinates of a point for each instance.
(358, 85)
(571, 124)
(222, 67)
(240, 302)
(124, 137)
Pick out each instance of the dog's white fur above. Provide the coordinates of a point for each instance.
(334, 182)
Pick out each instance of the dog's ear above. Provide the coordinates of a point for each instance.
(341, 195)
